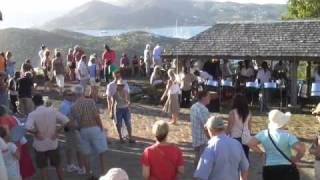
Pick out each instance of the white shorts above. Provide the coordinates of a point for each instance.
(60, 80)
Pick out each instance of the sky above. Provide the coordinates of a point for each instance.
(26, 13)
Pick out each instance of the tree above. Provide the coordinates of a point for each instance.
(303, 9)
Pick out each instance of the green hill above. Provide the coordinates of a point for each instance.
(162, 13)
(25, 43)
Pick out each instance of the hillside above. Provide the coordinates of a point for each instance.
(25, 43)
(155, 13)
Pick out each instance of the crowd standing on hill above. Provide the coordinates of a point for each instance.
(221, 152)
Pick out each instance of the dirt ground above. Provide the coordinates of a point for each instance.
(127, 156)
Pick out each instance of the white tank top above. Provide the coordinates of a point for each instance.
(240, 129)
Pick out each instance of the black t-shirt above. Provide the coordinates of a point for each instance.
(25, 87)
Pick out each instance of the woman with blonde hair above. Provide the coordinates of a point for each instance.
(162, 160)
(172, 92)
(155, 78)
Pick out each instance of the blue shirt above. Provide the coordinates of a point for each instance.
(284, 141)
(92, 70)
(65, 107)
(223, 159)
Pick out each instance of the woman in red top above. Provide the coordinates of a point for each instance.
(162, 161)
(108, 57)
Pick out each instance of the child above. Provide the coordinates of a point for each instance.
(72, 136)
(93, 69)
(11, 157)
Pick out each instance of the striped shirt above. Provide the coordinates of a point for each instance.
(85, 112)
(199, 116)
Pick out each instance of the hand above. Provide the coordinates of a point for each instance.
(39, 136)
(295, 160)
(54, 136)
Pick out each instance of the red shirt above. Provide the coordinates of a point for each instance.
(77, 55)
(70, 58)
(8, 121)
(109, 56)
(163, 161)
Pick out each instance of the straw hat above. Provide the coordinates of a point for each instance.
(215, 122)
(115, 174)
(278, 119)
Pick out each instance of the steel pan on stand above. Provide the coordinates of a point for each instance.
(252, 90)
(214, 89)
(268, 89)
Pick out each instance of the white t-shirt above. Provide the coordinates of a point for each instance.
(83, 70)
(44, 120)
(3, 170)
(264, 76)
(157, 53)
(112, 88)
(11, 162)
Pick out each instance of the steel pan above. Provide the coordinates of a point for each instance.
(252, 85)
(226, 83)
(315, 89)
(270, 85)
(212, 83)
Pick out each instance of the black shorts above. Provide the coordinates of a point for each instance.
(42, 158)
(72, 65)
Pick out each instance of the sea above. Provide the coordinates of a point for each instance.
(183, 32)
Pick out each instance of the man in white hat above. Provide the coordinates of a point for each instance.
(223, 158)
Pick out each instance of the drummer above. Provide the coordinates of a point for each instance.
(226, 70)
(247, 71)
(264, 74)
(202, 76)
(316, 74)
(280, 70)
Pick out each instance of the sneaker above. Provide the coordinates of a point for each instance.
(71, 168)
(81, 171)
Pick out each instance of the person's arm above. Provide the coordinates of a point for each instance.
(249, 123)
(145, 172)
(180, 172)
(300, 149)
(231, 121)
(244, 175)
(253, 144)
(166, 91)
(112, 104)
(16, 153)
(315, 148)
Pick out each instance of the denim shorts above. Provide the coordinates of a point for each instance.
(123, 114)
(93, 140)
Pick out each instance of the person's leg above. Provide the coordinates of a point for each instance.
(119, 116)
(127, 121)
(55, 161)
(86, 149)
(106, 73)
(100, 146)
(103, 168)
(42, 163)
(175, 118)
(188, 97)
(13, 100)
(183, 96)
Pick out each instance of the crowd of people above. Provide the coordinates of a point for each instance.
(79, 118)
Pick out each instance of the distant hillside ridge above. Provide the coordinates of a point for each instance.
(25, 43)
(164, 13)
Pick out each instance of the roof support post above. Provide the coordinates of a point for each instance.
(308, 78)
(293, 82)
